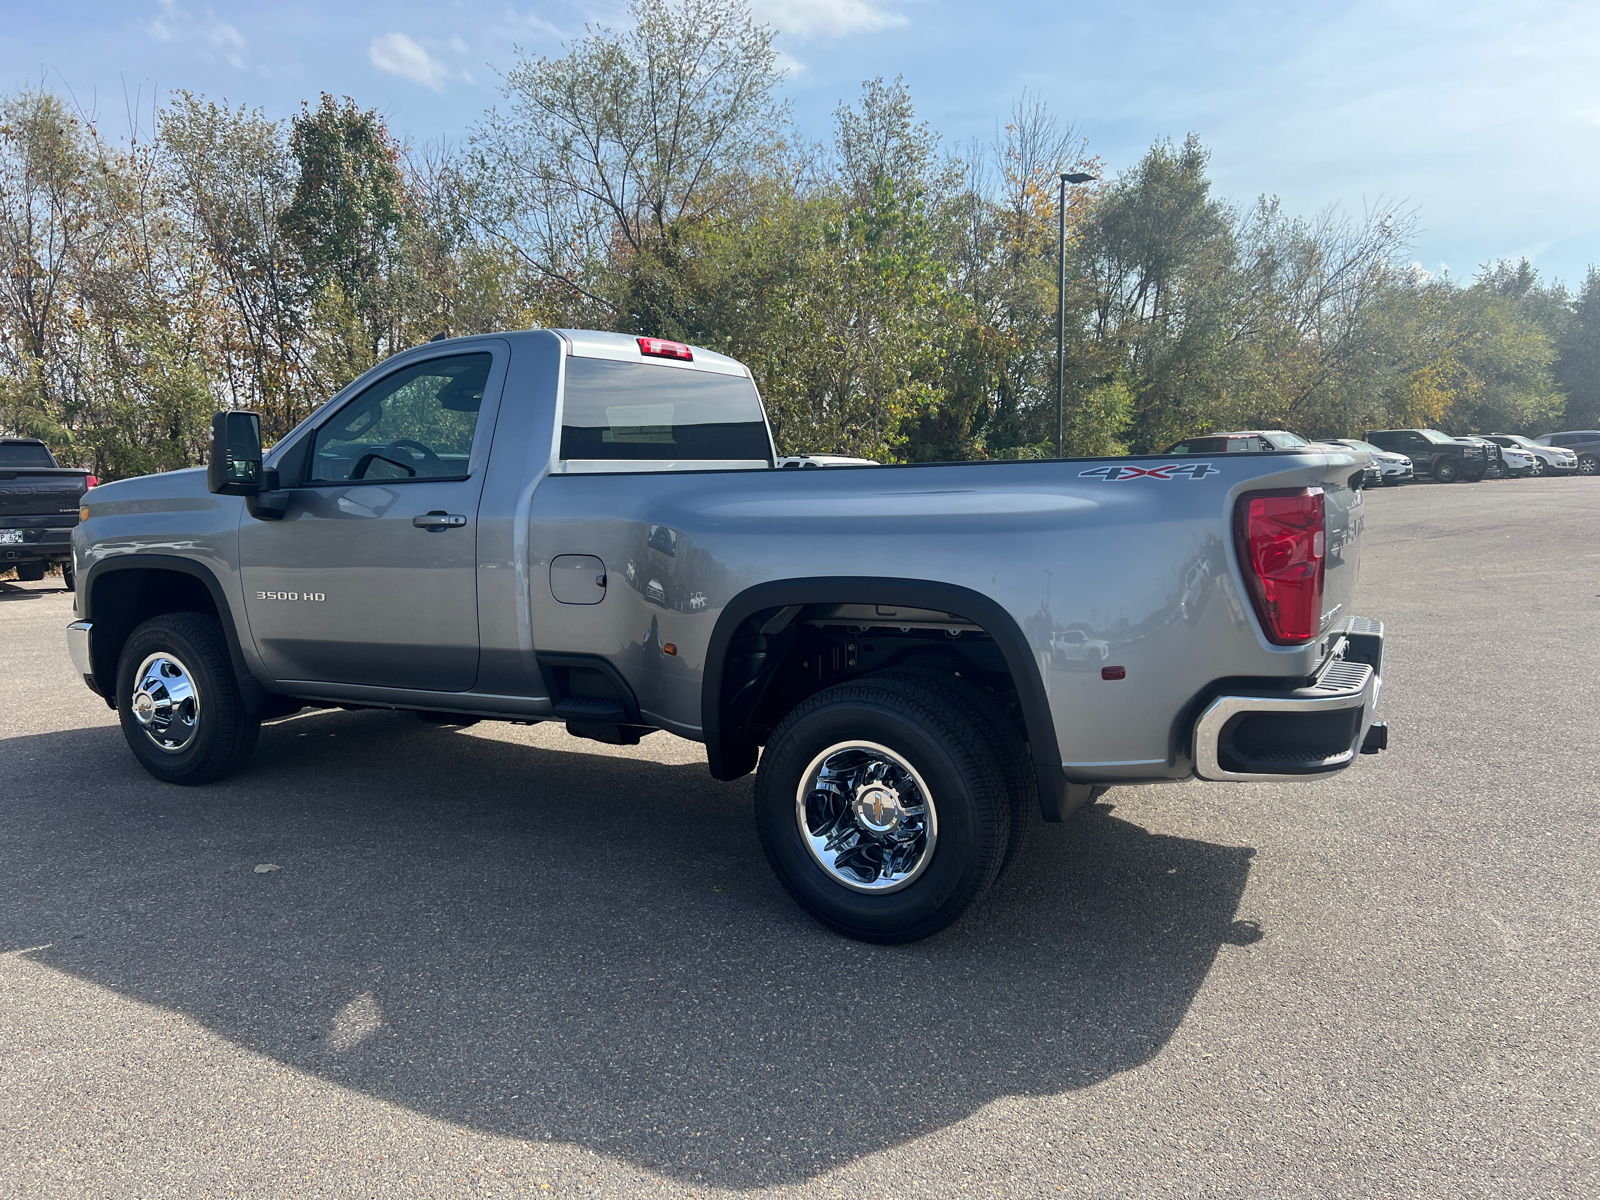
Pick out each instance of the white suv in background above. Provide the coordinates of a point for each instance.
(1551, 460)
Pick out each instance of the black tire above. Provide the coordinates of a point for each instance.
(219, 734)
(1010, 751)
(1446, 470)
(69, 578)
(915, 719)
(1589, 465)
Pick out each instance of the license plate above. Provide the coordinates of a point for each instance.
(10, 537)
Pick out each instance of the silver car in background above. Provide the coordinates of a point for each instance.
(1393, 469)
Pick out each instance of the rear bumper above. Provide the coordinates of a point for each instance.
(39, 543)
(1254, 735)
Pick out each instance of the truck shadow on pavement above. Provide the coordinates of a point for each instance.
(583, 947)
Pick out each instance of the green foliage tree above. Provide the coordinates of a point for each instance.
(1577, 367)
(345, 222)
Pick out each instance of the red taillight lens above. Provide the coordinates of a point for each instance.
(661, 348)
(1282, 542)
(93, 481)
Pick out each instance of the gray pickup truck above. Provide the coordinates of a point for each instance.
(558, 525)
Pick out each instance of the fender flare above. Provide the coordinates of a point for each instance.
(725, 760)
(250, 687)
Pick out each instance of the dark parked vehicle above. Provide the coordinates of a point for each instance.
(1250, 441)
(39, 504)
(1585, 443)
(1499, 467)
(1436, 454)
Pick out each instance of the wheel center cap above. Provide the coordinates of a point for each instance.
(144, 708)
(877, 808)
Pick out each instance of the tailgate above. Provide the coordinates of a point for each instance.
(1345, 509)
(45, 493)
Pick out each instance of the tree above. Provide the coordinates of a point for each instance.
(233, 175)
(1577, 367)
(344, 222)
(627, 136)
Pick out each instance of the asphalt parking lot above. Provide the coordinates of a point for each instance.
(501, 961)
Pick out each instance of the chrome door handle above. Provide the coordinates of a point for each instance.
(439, 520)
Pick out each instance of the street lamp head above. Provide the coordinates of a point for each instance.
(1078, 177)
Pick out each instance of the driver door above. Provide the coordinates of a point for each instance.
(370, 578)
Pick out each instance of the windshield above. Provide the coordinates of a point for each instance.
(1287, 441)
(1358, 444)
(1513, 439)
(1433, 435)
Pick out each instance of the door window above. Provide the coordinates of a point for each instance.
(416, 423)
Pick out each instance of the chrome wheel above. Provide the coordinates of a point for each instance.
(165, 703)
(1589, 465)
(866, 816)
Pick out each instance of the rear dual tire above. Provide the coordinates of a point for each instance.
(883, 808)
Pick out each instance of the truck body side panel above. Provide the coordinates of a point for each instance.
(1140, 570)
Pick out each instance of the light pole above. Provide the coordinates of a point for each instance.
(1061, 308)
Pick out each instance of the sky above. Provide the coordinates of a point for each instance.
(1483, 117)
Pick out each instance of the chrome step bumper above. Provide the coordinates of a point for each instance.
(1254, 736)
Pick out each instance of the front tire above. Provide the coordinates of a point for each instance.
(1589, 465)
(882, 809)
(1447, 470)
(179, 704)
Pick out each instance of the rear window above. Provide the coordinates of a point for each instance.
(25, 454)
(648, 411)
(1208, 445)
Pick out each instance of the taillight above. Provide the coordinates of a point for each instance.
(661, 348)
(92, 481)
(1282, 542)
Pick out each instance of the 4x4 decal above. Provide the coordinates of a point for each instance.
(1166, 474)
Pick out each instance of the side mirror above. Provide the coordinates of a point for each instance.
(234, 468)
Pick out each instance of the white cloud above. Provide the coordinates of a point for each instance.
(161, 27)
(224, 36)
(826, 18)
(176, 24)
(789, 64)
(515, 24)
(399, 55)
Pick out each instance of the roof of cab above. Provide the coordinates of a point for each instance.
(591, 343)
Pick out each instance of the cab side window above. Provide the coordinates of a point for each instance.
(414, 424)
